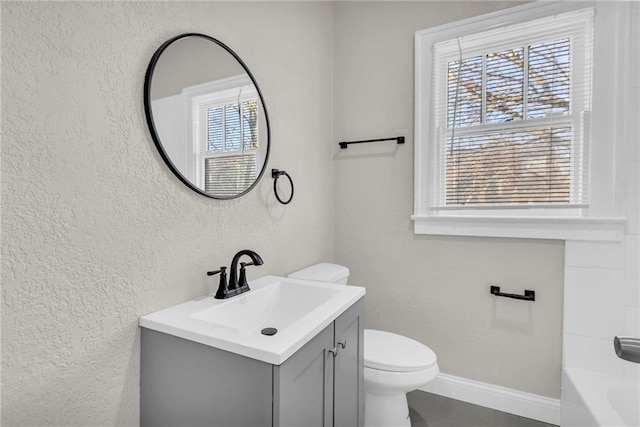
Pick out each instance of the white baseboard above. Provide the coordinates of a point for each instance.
(503, 399)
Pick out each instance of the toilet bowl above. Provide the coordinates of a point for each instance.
(393, 364)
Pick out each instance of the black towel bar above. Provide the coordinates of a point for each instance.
(528, 295)
(398, 139)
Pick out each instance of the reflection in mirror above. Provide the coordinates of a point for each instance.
(207, 116)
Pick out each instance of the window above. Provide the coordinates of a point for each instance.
(503, 113)
(226, 139)
(512, 135)
(509, 116)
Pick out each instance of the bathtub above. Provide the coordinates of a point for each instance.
(592, 399)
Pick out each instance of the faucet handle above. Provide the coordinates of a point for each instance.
(222, 270)
(223, 290)
(242, 280)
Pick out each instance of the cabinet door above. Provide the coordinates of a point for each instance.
(349, 368)
(303, 385)
(184, 383)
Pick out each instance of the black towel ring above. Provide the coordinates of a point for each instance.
(275, 174)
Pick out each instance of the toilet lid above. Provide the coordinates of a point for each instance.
(387, 351)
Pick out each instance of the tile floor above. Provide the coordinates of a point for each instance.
(430, 410)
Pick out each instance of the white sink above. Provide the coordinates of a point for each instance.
(298, 309)
(278, 305)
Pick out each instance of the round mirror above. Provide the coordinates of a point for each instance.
(207, 116)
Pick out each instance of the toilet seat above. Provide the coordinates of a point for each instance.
(386, 351)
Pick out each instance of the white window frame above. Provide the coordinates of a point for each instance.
(216, 93)
(600, 220)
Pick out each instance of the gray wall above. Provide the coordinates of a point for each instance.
(96, 231)
(433, 289)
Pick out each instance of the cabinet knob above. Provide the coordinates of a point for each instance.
(334, 352)
(343, 344)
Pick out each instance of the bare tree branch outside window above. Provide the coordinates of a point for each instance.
(525, 163)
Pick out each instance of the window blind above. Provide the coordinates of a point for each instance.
(227, 141)
(511, 114)
(229, 175)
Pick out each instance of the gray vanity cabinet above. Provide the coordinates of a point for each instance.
(190, 384)
(303, 385)
(184, 383)
(320, 388)
(348, 397)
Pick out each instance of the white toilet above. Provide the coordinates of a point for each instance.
(393, 364)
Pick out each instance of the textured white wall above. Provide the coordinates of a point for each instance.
(433, 289)
(96, 231)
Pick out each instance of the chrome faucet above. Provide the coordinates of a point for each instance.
(237, 283)
(627, 348)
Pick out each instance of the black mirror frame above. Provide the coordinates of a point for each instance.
(152, 127)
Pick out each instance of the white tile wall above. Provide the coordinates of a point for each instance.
(602, 292)
(632, 328)
(593, 302)
(633, 198)
(602, 279)
(632, 271)
(632, 253)
(591, 354)
(634, 145)
(632, 321)
(588, 254)
(601, 295)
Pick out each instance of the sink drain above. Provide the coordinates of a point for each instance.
(269, 331)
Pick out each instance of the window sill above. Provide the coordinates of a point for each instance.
(561, 228)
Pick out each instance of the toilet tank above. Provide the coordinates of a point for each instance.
(323, 272)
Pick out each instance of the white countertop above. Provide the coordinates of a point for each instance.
(299, 309)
